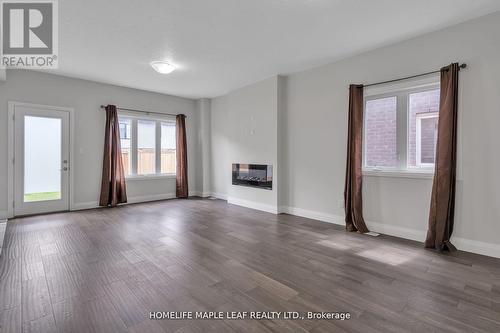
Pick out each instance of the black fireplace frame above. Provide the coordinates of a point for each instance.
(244, 174)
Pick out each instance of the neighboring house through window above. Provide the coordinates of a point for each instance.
(400, 130)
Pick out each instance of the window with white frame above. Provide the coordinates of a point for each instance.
(148, 145)
(400, 129)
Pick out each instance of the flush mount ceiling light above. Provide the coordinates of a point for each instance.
(163, 67)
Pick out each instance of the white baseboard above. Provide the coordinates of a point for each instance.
(463, 244)
(84, 205)
(310, 214)
(200, 194)
(130, 200)
(147, 198)
(254, 205)
(217, 195)
(401, 232)
(473, 246)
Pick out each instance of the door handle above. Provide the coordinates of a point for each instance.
(65, 169)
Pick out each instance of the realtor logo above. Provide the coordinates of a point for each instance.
(29, 34)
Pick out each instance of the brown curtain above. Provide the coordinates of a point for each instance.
(113, 191)
(353, 202)
(181, 188)
(442, 209)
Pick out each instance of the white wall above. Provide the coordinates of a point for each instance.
(245, 130)
(86, 97)
(313, 130)
(317, 102)
(204, 108)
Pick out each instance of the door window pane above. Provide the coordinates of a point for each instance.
(126, 144)
(42, 158)
(146, 143)
(168, 147)
(423, 108)
(380, 133)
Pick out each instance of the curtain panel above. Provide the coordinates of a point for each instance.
(442, 207)
(113, 189)
(181, 181)
(353, 202)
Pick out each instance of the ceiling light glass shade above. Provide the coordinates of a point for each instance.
(162, 67)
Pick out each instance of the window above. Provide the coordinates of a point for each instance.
(125, 144)
(168, 147)
(426, 137)
(148, 145)
(380, 133)
(400, 131)
(125, 129)
(423, 117)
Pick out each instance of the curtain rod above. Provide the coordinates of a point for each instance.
(462, 66)
(143, 111)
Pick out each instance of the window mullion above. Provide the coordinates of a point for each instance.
(158, 147)
(134, 146)
(402, 130)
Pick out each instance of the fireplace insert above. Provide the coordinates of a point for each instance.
(253, 175)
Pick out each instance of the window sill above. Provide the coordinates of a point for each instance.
(150, 177)
(399, 174)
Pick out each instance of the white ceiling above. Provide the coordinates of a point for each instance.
(221, 45)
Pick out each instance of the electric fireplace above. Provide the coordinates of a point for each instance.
(253, 175)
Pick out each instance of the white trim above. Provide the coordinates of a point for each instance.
(396, 231)
(418, 139)
(424, 174)
(202, 194)
(133, 147)
(253, 205)
(10, 149)
(154, 197)
(463, 244)
(10, 161)
(222, 196)
(474, 246)
(310, 214)
(85, 205)
(130, 200)
(158, 147)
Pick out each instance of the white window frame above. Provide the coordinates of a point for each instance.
(418, 143)
(158, 119)
(401, 91)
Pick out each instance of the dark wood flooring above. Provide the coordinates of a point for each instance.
(104, 270)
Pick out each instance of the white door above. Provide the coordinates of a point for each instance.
(41, 160)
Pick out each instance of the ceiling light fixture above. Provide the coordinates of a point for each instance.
(163, 67)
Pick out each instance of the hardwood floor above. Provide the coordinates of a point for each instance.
(104, 270)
